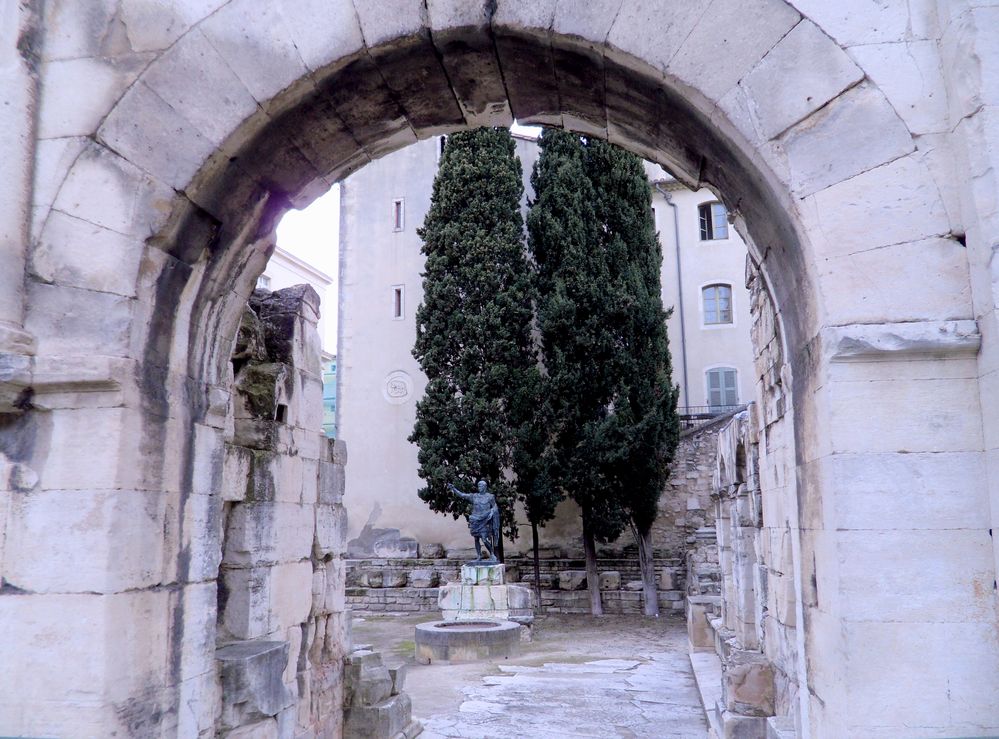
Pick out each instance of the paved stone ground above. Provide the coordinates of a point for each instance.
(616, 676)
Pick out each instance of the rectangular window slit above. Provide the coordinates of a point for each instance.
(398, 215)
(397, 304)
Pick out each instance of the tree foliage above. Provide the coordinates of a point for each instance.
(610, 402)
(473, 335)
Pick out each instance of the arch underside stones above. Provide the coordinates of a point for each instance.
(168, 141)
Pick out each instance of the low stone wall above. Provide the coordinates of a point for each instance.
(398, 586)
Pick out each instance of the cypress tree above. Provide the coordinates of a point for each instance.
(643, 429)
(609, 401)
(473, 329)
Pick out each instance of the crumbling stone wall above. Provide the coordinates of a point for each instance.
(282, 629)
(742, 595)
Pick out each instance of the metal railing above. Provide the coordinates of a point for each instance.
(692, 416)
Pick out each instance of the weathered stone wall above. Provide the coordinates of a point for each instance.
(686, 504)
(282, 622)
(411, 585)
(169, 137)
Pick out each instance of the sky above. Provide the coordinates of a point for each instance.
(313, 235)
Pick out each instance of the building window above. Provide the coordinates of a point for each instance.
(398, 214)
(714, 221)
(264, 282)
(723, 389)
(717, 304)
(398, 301)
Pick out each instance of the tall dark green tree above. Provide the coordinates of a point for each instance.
(610, 402)
(643, 428)
(473, 329)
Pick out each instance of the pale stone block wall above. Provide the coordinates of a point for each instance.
(120, 366)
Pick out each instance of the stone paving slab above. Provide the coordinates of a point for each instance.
(608, 678)
(603, 698)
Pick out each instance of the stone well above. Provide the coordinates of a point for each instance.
(465, 641)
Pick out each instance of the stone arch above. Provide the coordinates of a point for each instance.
(143, 254)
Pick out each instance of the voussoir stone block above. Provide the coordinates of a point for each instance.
(738, 31)
(797, 77)
(857, 131)
(137, 127)
(254, 41)
(196, 81)
(391, 20)
(78, 93)
(108, 190)
(322, 32)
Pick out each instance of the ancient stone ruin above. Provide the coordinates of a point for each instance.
(150, 148)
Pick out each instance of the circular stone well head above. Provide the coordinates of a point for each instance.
(465, 641)
(457, 625)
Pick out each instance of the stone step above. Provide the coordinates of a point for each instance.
(708, 677)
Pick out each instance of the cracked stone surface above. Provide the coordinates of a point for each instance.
(579, 677)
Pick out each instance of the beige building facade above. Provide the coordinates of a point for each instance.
(379, 381)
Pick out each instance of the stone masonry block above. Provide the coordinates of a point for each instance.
(908, 209)
(797, 77)
(235, 472)
(390, 20)
(321, 31)
(336, 580)
(331, 483)
(268, 532)
(156, 26)
(78, 93)
(254, 41)
(70, 320)
(748, 684)
(247, 601)
(482, 574)
(423, 578)
(196, 81)
(266, 729)
(251, 680)
(519, 597)
(97, 541)
(331, 530)
(857, 131)
(387, 718)
(907, 73)
(106, 189)
(751, 29)
(610, 580)
(76, 253)
(138, 124)
(199, 535)
(572, 580)
(291, 594)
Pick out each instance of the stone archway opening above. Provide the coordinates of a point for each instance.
(233, 211)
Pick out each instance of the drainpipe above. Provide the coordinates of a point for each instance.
(679, 287)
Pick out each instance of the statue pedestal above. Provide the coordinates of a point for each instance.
(484, 618)
(482, 574)
(482, 595)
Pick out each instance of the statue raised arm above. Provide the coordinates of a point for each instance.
(483, 520)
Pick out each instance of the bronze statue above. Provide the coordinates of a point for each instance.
(483, 521)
